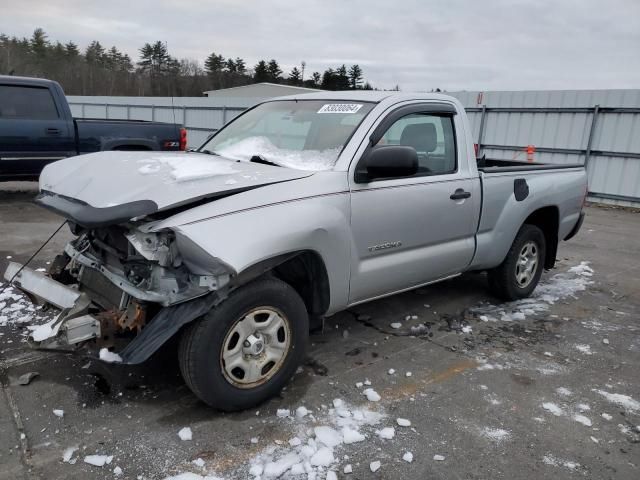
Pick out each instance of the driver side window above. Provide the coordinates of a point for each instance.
(433, 138)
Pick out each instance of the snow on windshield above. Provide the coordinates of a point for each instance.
(313, 160)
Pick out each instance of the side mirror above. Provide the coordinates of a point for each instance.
(388, 161)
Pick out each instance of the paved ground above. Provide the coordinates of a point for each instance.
(554, 395)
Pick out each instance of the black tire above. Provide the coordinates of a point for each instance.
(201, 345)
(503, 281)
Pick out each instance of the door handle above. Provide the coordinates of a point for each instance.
(53, 131)
(459, 194)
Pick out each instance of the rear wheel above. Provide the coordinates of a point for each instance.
(246, 349)
(518, 275)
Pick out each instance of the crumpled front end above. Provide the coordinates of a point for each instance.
(120, 288)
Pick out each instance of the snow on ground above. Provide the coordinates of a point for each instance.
(547, 293)
(44, 331)
(553, 408)
(98, 460)
(557, 462)
(110, 357)
(318, 448)
(582, 419)
(586, 349)
(185, 434)
(67, 455)
(15, 308)
(495, 434)
(624, 401)
(371, 395)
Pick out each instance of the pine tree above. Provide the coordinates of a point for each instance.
(94, 53)
(214, 63)
(295, 77)
(260, 72)
(71, 49)
(241, 66)
(342, 80)
(329, 79)
(273, 69)
(39, 43)
(355, 77)
(316, 78)
(230, 66)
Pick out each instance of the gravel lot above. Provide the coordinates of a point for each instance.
(542, 389)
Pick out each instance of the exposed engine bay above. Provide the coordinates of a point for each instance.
(111, 282)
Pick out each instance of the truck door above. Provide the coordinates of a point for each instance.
(33, 131)
(414, 230)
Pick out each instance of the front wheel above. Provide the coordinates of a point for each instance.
(246, 349)
(518, 275)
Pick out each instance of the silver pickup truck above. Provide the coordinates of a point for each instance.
(297, 209)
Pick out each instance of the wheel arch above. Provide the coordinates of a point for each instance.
(547, 219)
(304, 270)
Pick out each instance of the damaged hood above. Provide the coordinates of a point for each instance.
(140, 183)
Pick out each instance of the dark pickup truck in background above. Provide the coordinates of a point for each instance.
(37, 128)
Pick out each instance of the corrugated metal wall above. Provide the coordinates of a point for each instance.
(557, 123)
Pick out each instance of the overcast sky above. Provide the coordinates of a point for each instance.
(416, 44)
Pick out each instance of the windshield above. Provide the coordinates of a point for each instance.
(306, 135)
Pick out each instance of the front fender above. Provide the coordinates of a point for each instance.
(244, 239)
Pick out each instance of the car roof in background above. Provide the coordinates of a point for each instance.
(32, 81)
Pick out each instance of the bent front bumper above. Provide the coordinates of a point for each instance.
(72, 326)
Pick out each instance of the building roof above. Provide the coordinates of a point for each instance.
(263, 89)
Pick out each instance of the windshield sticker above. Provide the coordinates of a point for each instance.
(340, 108)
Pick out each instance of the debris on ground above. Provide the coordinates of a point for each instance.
(25, 379)
(98, 460)
(185, 434)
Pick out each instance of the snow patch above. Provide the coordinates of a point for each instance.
(109, 357)
(557, 462)
(403, 422)
(624, 401)
(586, 349)
(548, 292)
(371, 395)
(495, 434)
(387, 433)
(185, 434)
(191, 167)
(582, 419)
(310, 160)
(553, 408)
(67, 455)
(40, 333)
(98, 460)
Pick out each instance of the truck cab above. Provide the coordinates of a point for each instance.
(36, 126)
